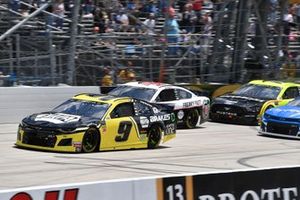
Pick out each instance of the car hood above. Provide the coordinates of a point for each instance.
(58, 120)
(285, 112)
(240, 101)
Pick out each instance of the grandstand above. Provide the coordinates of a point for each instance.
(241, 42)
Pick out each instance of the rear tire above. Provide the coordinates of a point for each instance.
(90, 141)
(191, 119)
(154, 137)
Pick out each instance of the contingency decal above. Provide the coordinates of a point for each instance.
(57, 118)
(144, 122)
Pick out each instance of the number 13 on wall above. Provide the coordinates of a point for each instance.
(175, 188)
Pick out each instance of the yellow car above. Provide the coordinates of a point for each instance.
(90, 122)
(247, 104)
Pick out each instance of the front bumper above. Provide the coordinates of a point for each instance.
(250, 119)
(60, 142)
(279, 129)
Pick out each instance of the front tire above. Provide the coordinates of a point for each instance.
(90, 141)
(191, 119)
(154, 137)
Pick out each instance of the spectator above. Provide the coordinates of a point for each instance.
(107, 79)
(123, 19)
(150, 24)
(207, 31)
(197, 6)
(88, 7)
(127, 74)
(188, 19)
(172, 30)
(150, 7)
(287, 23)
(14, 5)
(59, 10)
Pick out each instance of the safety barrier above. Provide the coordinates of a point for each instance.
(18, 102)
(260, 184)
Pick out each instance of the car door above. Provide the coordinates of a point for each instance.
(121, 129)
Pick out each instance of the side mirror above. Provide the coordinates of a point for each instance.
(103, 123)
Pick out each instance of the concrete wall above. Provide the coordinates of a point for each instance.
(18, 102)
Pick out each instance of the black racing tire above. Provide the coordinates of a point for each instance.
(154, 137)
(90, 141)
(191, 118)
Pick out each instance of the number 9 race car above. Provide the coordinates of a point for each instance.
(191, 110)
(92, 122)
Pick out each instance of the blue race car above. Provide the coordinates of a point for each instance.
(283, 121)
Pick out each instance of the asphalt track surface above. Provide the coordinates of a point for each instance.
(212, 147)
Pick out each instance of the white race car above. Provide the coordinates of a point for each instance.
(191, 110)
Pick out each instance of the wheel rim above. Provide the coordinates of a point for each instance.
(154, 138)
(90, 141)
(192, 119)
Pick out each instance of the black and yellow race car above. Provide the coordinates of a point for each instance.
(247, 104)
(92, 122)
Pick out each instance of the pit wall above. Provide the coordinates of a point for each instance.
(261, 184)
(18, 102)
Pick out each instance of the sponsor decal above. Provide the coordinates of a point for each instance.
(77, 144)
(155, 110)
(69, 194)
(170, 129)
(191, 104)
(144, 121)
(180, 114)
(57, 118)
(157, 118)
(270, 184)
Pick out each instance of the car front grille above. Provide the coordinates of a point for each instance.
(281, 128)
(39, 137)
(231, 109)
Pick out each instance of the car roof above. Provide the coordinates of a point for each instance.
(144, 84)
(100, 98)
(274, 83)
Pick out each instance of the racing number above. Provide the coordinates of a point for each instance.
(177, 190)
(123, 131)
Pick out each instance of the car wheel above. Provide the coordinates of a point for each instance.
(90, 141)
(154, 137)
(192, 118)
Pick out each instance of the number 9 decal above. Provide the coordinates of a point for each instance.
(123, 131)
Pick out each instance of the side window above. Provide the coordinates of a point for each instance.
(291, 92)
(142, 109)
(166, 95)
(182, 94)
(123, 110)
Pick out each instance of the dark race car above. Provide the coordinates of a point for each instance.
(249, 102)
(89, 122)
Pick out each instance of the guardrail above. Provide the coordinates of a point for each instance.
(260, 184)
(18, 102)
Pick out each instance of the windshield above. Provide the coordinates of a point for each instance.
(295, 102)
(145, 94)
(82, 108)
(258, 91)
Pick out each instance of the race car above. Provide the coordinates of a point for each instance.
(283, 121)
(191, 110)
(249, 102)
(92, 122)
